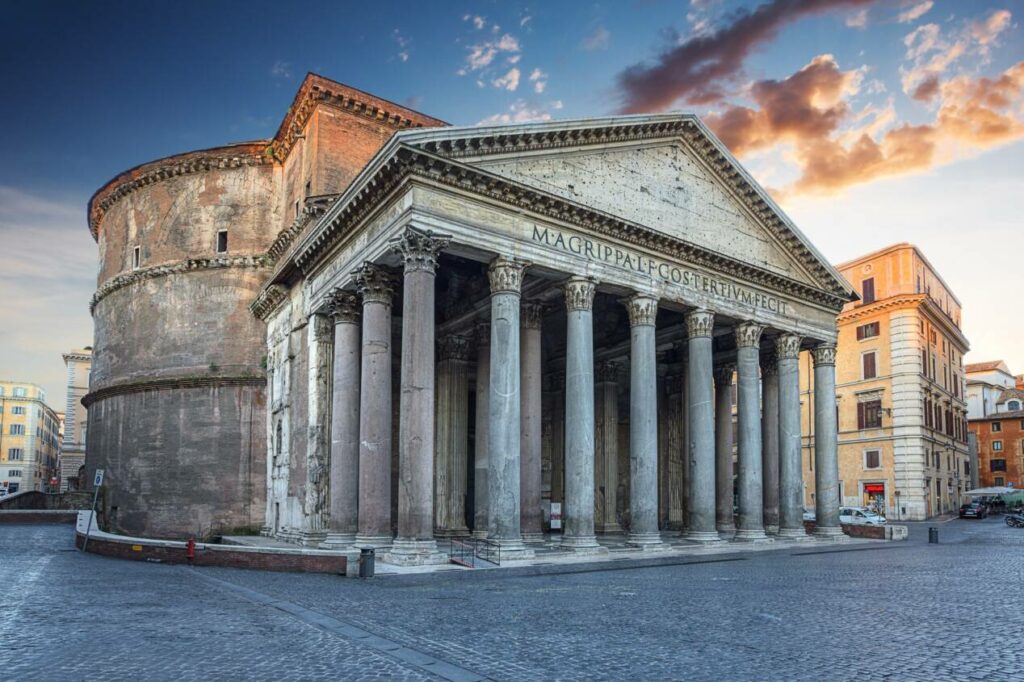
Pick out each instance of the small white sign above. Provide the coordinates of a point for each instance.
(98, 480)
(556, 515)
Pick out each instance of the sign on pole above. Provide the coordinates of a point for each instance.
(98, 481)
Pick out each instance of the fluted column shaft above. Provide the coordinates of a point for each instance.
(724, 485)
(606, 448)
(770, 442)
(320, 341)
(344, 493)
(748, 364)
(531, 513)
(376, 289)
(791, 486)
(643, 423)
(452, 438)
(701, 429)
(826, 445)
(579, 416)
(480, 465)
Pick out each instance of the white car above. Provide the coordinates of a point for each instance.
(860, 516)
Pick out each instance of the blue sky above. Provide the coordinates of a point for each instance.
(809, 94)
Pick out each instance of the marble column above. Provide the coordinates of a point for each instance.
(343, 523)
(415, 544)
(452, 438)
(319, 348)
(770, 442)
(701, 428)
(504, 430)
(748, 365)
(826, 445)
(531, 513)
(606, 448)
(643, 424)
(376, 289)
(579, 417)
(724, 469)
(558, 437)
(483, 382)
(791, 485)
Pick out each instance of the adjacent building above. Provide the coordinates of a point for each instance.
(1000, 442)
(902, 406)
(29, 438)
(79, 365)
(992, 389)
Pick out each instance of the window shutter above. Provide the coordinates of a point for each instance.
(860, 416)
(869, 365)
(868, 290)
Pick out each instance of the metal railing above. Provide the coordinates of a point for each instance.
(489, 551)
(465, 551)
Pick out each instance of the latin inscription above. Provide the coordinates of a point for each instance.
(652, 267)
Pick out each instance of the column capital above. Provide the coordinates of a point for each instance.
(700, 323)
(419, 249)
(531, 314)
(642, 309)
(607, 370)
(824, 354)
(579, 293)
(506, 275)
(375, 284)
(723, 375)
(343, 305)
(482, 333)
(748, 334)
(787, 347)
(453, 347)
(769, 365)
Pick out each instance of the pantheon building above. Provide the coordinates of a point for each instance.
(376, 329)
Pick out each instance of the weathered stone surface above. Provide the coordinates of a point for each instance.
(751, 520)
(643, 424)
(724, 470)
(344, 462)
(791, 486)
(700, 428)
(826, 451)
(480, 459)
(531, 514)
(770, 442)
(452, 436)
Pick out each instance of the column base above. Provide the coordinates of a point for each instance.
(771, 529)
(338, 540)
(513, 549)
(582, 544)
(414, 553)
(756, 536)
(479, 534)
(830, 534)
(312, 538)
(725, 528)
(798, 534)
(534, 538)
(609, 529)
(648, 542)
(375, 541)
(703, 537)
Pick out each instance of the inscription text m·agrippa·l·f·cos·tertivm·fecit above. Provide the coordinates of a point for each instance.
(652, 267)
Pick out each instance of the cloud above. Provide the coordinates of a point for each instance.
(915, 12)
(403, 45)
(478, 22)
(539, 80)
(510, 81)
(518, 112)
(858, 19)
(281, 69)
(524, 21)
(481, 55)
(698, 69)
(986, 32)
(598, 40)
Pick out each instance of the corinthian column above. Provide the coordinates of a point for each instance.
(344, 493)
(452, 441)
(483, 382)
(701, 429)
(643, 424)
(415, 541)
(320, 339)
(503, 430)
(748, 351)
(724, 486)
(376, 289)
(606, 461)
(826, 446)
(770, 442)
(579, 417)
(531, 513)
(791, 485)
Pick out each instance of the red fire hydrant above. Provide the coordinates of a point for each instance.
(190, 550)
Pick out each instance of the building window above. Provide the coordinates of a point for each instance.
(869, 415)
(867, 288)
(868, 331)
(14, 473)
(222, 241)
(20, 392)
(868, 365)
(15, 454)
(872, 459)
(998, 480)
(18, 409)
(136, 257)
(17, 430)
(997, 446)
(996, 427)
(998, 465)
(1013, 405)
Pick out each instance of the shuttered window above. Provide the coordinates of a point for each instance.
(869, 415)
(867, 288)
(868, 364)
(868, 331)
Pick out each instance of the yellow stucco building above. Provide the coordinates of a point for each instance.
(29, 438)
(900, 387)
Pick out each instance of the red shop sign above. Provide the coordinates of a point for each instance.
(874, 488)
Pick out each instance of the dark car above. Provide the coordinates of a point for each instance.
(973, 510)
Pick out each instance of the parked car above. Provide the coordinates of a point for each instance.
(973, 510)
(860, 516)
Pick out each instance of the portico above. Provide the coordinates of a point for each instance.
(628, 264)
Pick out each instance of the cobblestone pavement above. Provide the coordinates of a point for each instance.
(899, 611)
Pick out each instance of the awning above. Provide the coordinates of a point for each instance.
(994, 490)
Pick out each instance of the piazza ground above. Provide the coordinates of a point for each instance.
(901, 611)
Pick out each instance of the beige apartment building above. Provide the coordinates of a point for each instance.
(900, 387)
(29, 438)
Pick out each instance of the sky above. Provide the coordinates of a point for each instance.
(871, 122)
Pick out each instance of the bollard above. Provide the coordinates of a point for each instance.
(933, 536)
(366, 562)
